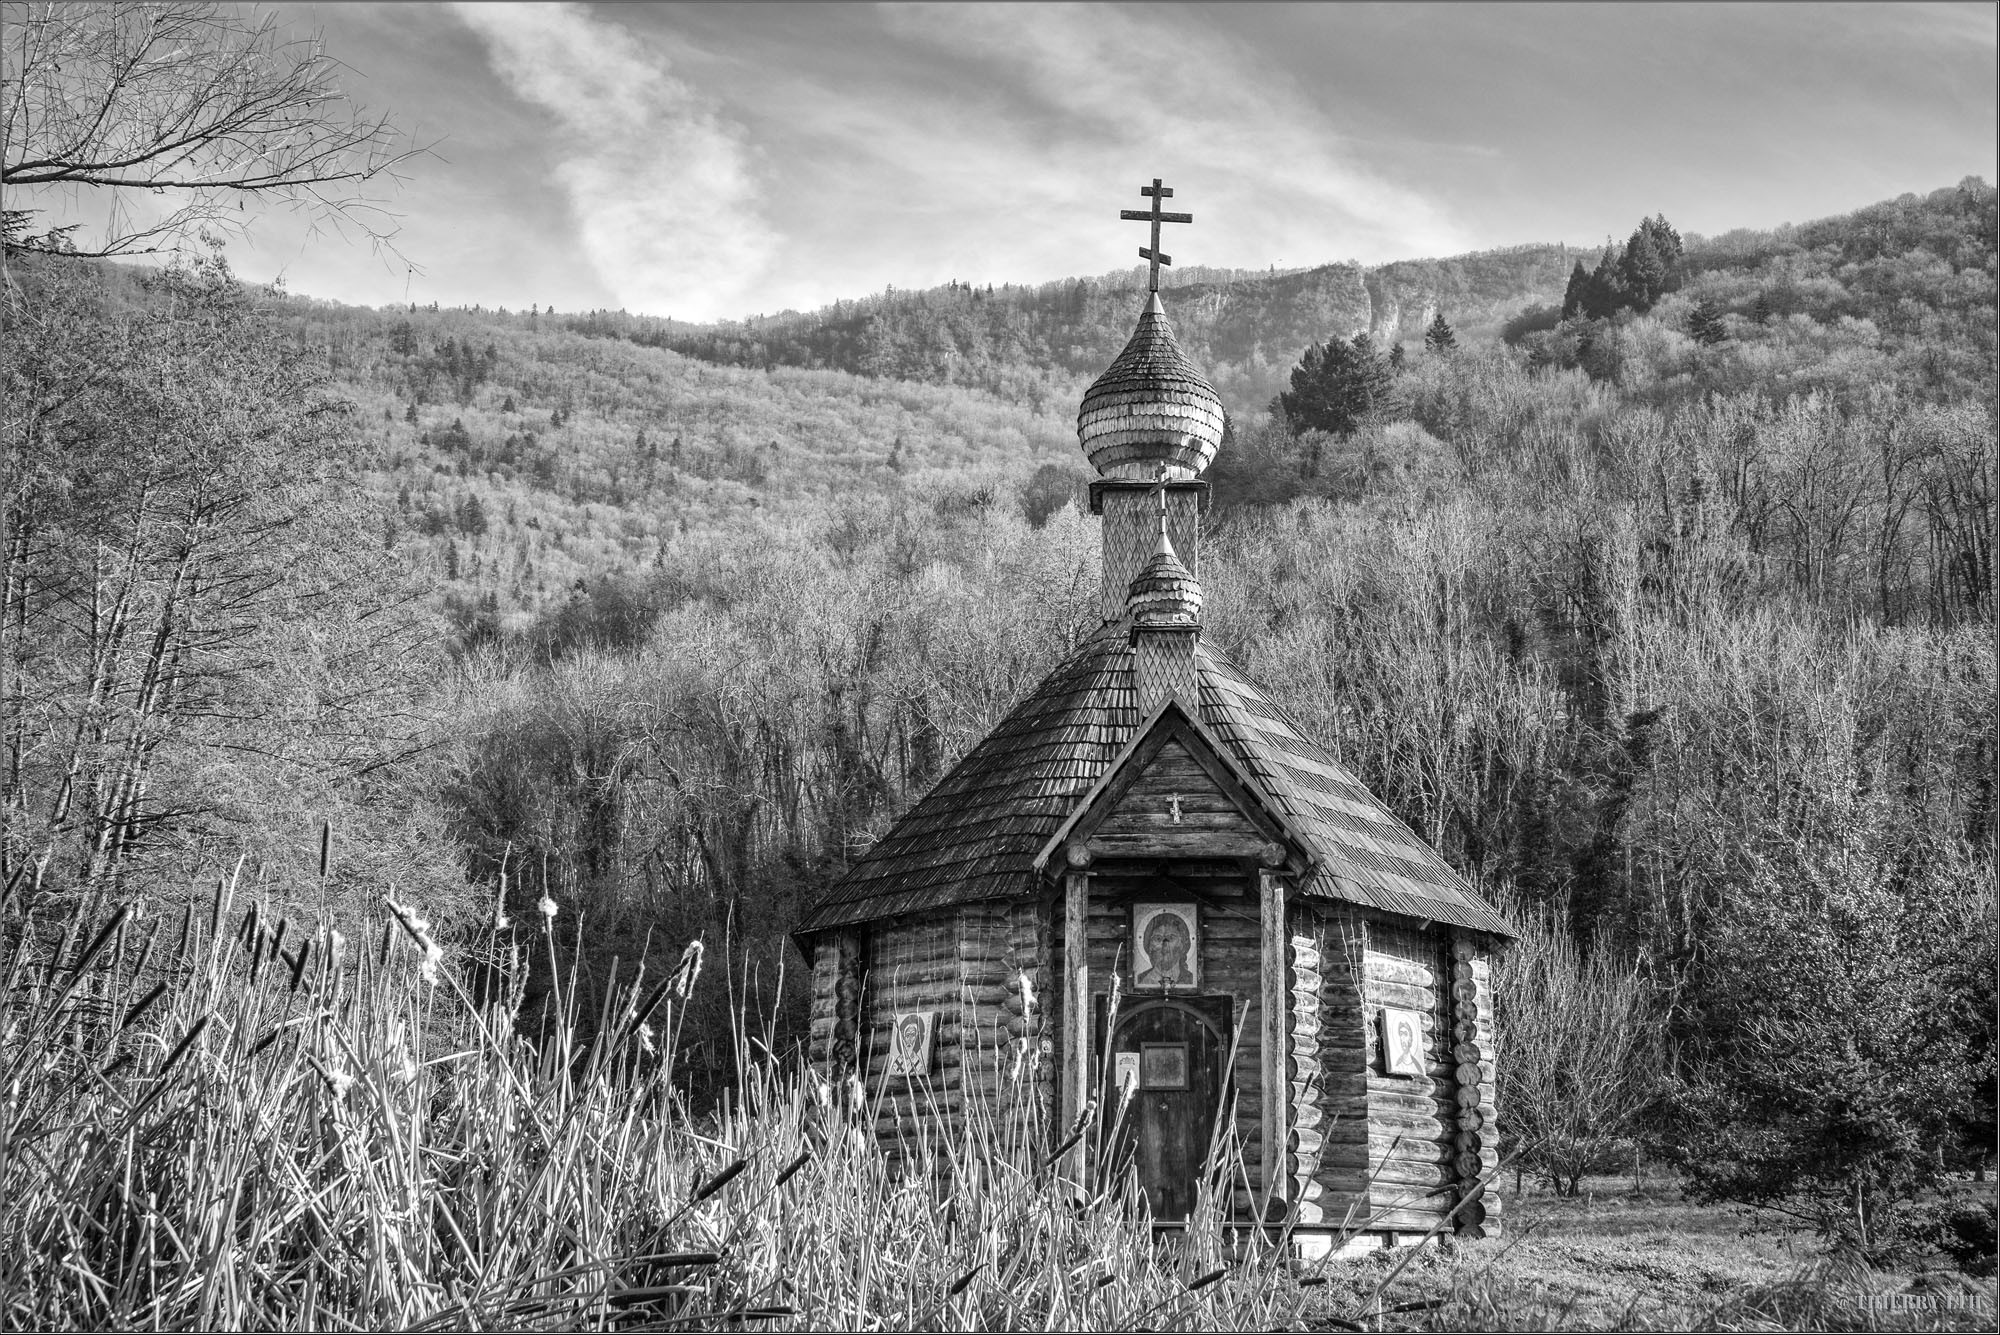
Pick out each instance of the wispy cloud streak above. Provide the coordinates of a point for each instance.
(1130, 86)
(662, 186)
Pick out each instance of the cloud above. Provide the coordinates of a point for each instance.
(1127, 88)
(663, 188)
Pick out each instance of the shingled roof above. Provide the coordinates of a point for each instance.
(976, 834)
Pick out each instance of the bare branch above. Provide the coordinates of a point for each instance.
(187, 100)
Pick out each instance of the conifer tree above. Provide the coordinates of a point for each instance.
(1651, 264)
(1335, 387)
(1439, 338)
(1761, 311)
(1643, 269)
(1606, 290)
(1397, 359)
(1705, 323)
(1574, 295)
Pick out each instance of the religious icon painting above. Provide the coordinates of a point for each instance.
(1163, 1066)
(910, 1043)
(1402, 1042)
(1166, 946)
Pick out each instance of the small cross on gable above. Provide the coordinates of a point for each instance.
(1157, 192)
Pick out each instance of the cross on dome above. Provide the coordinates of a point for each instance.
(1158, 192)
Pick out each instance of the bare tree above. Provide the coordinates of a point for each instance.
(1582, 1031)
(113, 104)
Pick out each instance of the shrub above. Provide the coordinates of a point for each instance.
(1831, 1023)
(1581, 1057)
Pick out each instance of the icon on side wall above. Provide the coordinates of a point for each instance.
(1402, 1042)
(910, 1043)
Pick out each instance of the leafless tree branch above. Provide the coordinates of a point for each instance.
(186, 100)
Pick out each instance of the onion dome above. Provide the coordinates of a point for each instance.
(1151, 408)
(1164, 593)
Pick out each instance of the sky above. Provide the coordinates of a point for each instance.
(720, 161)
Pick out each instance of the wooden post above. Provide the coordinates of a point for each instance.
(1076, 961)
(1277, 1078)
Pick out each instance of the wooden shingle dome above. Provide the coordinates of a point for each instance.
(1151, 407)
(1165, 593)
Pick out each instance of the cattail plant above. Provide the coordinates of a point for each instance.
(228, 1121)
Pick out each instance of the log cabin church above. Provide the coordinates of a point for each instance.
(1151, 896)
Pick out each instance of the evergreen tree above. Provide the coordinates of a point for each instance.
(451, 559)
(1643, 269)
(1439, 338)
(1605, 292)
(1651, 264)
(1335, 387)
(1761, 311)
(1574, 295)
(508, 406)
(410, 413)
(1397, 359)
(1705, 323)
(1377, 380)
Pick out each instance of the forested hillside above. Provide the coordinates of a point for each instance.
(1037, 344)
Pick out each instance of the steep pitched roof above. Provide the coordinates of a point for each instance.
(977, 833)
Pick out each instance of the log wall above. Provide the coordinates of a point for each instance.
(983, 969)
(836, 1004)
(1327, 1063)
(1412, 1120)
(913, 965)
(1364, 1149)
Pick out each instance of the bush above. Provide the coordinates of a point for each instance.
(1830, 1032)
(1581, 1057)
(1969, 1233)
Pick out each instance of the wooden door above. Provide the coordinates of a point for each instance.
(1178, 1048)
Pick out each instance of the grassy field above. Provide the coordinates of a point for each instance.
(1622, 1256)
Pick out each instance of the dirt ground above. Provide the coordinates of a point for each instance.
(1626, 1257)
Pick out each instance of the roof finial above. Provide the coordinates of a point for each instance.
(1159, 488)
(1158, 192)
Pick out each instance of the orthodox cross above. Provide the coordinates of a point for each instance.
(1159, 488)
(1157, 192)
(1175, 803)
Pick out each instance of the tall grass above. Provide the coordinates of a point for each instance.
(217, 1120)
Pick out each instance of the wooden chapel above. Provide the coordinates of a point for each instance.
(1290, 962)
